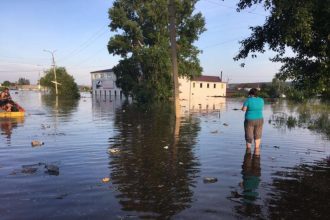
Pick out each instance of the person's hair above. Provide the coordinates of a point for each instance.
(253, 92)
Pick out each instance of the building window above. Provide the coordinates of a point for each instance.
(208, 85)
(201, 85)
(193, 85)
(215, 85)
(221, 86)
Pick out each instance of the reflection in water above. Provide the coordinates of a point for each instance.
(251, 176)
(310, 115)
(8, 124)
(65, 107)
(103, 107)
(203, 104)
(248, 200)
(303, 192)
(155, 170)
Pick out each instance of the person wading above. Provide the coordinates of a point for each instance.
(253, 107)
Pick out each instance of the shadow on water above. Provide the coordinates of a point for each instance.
(152, 161)
(303, 192)
(8, 124)
(313, 116)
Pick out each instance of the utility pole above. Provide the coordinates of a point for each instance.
(171, 10)
(54, 68)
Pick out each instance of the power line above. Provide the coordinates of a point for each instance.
(88, 58)
(226, 6)
(87, 43)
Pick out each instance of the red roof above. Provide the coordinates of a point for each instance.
(207, 79)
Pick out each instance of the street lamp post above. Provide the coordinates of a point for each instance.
(54, 68)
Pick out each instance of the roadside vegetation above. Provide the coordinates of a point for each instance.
(298, 26)
(311, 115)
(142, 40)
(67, 87)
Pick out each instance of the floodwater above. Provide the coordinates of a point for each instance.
(157, 166)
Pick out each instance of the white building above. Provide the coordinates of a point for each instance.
(203, 93)
(104, 83)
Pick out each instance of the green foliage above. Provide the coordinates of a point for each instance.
(273, 90)
(297, 95)
(68, 87)
(239, 94)
(303, 26)
(6, 83)
(142, 41)
(23, 81)
(311, 114)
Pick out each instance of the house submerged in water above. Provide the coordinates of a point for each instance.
(203, 93)
(198, 94)
(104, 83)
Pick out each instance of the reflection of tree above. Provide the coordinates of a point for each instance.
(301, 193)
(154, 170)
(313, 116)
(64, 106)
(8, 124)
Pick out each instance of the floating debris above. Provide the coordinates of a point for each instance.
(106, 180)
(52, 169)
(45, 126)
(62, 196)
(166, 147)
(225, 124)
(235, 197)
(210, 180)
(180, 163)
(214, 132)
(29, 170)
(36, 143)
(57, 134)
(114, 150)
(277, 147)
(236, 109)
(235, 194)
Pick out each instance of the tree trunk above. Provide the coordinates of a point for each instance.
(172, 28)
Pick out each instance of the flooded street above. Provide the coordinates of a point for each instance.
(157, 168)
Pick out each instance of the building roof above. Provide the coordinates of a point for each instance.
(102, 71)
(207, 78)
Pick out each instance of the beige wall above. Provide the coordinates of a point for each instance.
(200, 89)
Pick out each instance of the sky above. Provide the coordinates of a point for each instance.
(78, 32)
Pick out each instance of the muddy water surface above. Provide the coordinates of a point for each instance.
(157, 167)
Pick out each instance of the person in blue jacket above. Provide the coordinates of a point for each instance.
(253, 107)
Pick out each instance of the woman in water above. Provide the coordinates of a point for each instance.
(253, 107)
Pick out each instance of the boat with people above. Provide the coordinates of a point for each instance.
(9, 108)
(5, 114)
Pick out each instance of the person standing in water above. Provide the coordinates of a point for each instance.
(253, 123)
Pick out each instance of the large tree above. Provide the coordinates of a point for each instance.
(67, 86)
(23, 81)
(142, 41)
(304, 27)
